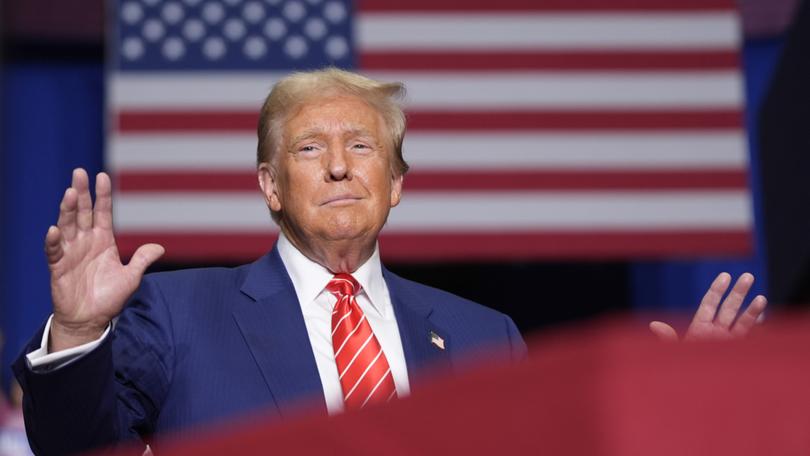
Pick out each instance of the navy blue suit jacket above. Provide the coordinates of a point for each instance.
(201, 345)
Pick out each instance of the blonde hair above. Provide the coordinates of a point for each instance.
(299, 88)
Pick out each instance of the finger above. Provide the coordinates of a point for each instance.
(708, 305)
(102, 211)
(731, 305)
(81, 183)
(67, 214)
(53, 245)
(664, 331)
(750, 317)
(143, 258)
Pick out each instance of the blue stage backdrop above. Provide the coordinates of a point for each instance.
(52, 122)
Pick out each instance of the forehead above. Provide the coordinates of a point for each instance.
(337, 115)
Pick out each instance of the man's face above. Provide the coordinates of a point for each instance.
(333, 178)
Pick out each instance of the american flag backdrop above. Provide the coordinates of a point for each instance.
(537, 129)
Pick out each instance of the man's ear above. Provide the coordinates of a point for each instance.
(268, 183)
(396, 189)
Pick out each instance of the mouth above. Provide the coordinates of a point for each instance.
(340, 200)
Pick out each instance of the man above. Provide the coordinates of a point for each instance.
(317, 321)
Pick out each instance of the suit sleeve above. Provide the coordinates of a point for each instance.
(112, 394)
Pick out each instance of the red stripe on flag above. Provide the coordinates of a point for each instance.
(550, 61)
(563, 245)
(462, 6)
(166, 181)
(575, 180)
(575, 120)
(243, 247)
(240, 121)
(508, 180)
(215, 246)
(170, 120)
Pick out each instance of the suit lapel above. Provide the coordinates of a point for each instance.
(274, 330)
(422, 338)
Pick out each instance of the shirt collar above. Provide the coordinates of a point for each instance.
(310, 278)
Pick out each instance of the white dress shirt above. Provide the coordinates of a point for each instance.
(40, 358)
(310, 280)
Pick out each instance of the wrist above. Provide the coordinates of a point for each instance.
(64, 336)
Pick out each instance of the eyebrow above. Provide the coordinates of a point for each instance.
(308, 134)
(314, 132)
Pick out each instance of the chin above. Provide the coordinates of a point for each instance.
(344, 233)
(345, 229)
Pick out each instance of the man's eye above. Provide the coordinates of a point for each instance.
(360, 146)
(307, 149)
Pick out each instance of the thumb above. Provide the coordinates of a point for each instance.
(664, 331)
(144, 257)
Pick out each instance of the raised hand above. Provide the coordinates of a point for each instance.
(709, 323)
(89, 284)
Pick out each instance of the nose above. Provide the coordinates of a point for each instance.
(338, 166)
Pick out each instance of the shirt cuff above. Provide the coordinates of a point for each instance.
(40, 358)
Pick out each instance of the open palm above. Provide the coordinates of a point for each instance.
(89, 284)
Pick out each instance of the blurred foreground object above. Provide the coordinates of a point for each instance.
(607, 389)
(13, 441)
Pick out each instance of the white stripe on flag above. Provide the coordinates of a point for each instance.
(700, 150)
(521, 90)
(560, 31)
(468, 211)
(581, 151)
(577, 211)
(436, 90)
(166, 90)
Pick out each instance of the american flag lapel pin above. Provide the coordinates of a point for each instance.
(436, 340)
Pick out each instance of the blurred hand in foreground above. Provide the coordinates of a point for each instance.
(716, 321)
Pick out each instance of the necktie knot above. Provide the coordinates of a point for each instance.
(343, 284)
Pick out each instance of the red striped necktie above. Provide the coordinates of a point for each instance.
(365, 375)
